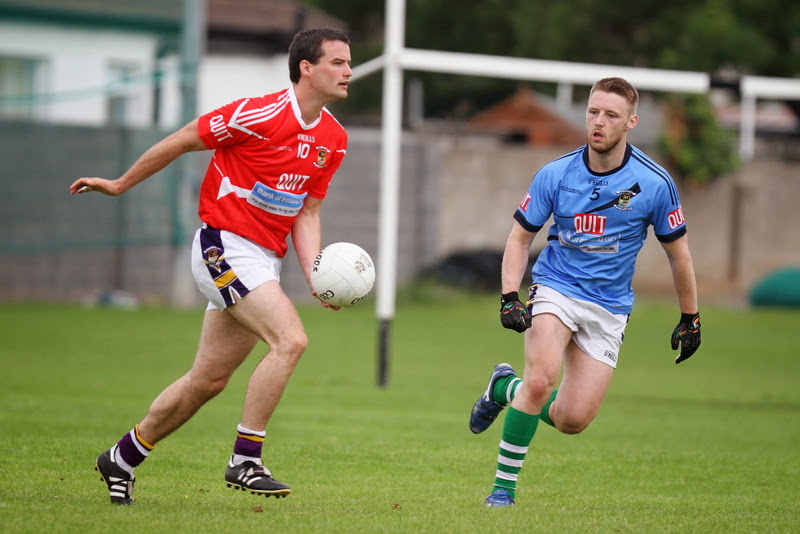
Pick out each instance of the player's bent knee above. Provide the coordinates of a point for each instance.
(570, 429)
(537, 388)
(300, 344)
(210, 388)
(572, 425)
(293, 346)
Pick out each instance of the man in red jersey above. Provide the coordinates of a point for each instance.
(274, 158)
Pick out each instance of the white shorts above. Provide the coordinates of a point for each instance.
(597, 332)
(227, 267)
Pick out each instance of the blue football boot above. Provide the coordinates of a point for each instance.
(485, 410)
(499, 497)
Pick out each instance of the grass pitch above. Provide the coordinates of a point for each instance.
(710, 445)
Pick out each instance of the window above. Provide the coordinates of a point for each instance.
(21, 80)
(122, 92)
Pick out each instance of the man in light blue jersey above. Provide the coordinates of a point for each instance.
(602, 197)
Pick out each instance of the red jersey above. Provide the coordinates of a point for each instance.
(266, 161)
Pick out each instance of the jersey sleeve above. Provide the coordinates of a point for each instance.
(537, 205)
(227, 125)
(668, 222)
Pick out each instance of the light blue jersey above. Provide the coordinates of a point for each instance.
(600, 224)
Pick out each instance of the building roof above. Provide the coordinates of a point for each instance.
(262, 16)
(233, 25)
(525, 115)
(261, 25)
(162, 15)
(774, 117)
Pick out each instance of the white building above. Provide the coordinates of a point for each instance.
(89, 62)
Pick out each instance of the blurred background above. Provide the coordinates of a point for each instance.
(87, 85)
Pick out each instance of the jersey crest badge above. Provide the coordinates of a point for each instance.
(624, 200)
(322, 157)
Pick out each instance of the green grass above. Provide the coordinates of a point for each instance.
(710, 445)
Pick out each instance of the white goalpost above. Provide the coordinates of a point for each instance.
(396, 58)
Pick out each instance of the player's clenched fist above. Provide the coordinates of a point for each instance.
(513, 313)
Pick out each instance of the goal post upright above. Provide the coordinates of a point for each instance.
(391, 133)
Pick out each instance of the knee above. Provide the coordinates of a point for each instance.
(571, 424)
(298, 344)
(292, 346)
(208, 387)
(568, 427)
(537, 389)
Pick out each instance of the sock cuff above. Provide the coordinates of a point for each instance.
(511, 390)
(544, 415)
(252, 435)
(141, 441)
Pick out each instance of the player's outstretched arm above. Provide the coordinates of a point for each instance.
(153, 160)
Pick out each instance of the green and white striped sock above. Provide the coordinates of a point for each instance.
(544, 415)
(518, 431)
(505, 389)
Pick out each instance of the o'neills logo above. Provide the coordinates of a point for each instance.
(322, 157)
(590, 223)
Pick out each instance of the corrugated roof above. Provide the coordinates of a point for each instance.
(168, 9)
(149, 14)
(233, 19)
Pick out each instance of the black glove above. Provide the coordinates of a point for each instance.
(686, 335)
(513, 313)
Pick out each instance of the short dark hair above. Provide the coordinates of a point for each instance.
(307, 45)
(618, 86)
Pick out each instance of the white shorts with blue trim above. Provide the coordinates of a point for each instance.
(597, 332)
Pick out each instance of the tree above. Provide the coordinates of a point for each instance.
(741, 36)
(719, 37)
(693, 143)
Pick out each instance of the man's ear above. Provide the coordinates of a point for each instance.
(632, 122)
